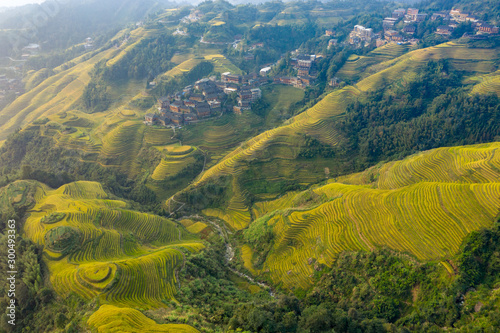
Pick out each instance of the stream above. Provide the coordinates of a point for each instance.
(224, 232)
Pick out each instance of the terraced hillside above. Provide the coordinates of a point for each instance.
(489, 83)
(97, 248)
(423, 205)
(359, 66)
(110, 318)
(276, 151)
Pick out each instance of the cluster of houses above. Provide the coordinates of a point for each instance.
(89, 43)
(305, 65)
(361, 35)
(410, 17)
(10, 85)
(205, 98)
(194, 16)
(455, 16)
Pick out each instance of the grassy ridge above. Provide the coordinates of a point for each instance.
(424, 205)
(98, 248)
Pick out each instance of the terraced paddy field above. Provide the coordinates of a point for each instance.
(220, 62)
(423, 205)
(177, 158)
(112, 319)
(97, 248)
(357, 66)
(56, 94)
(489, 83)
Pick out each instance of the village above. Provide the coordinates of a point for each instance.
(407, 21)
(207, 98)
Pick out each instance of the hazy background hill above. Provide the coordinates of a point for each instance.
(60, 26)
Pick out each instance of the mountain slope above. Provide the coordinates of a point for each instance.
(95, 247)
(423, 205)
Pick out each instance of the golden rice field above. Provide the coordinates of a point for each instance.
(55, 94)
(237, 214)
(113, 319)
(177, 158)
(356, 66)
(99, 248)
(489, 83)
(183, 67)
(121, 145)
(423, 205)
(222, 64)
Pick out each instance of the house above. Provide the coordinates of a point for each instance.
(329, 32)
(32, 48)
(175, 106)
(245, 104)
(334, 82)
(212, 97)
(332, 42)
(186, 109)
(305, 63)
(190, 117)
(398, 13)
(164, 102)
(229, 90)
(197, 97)
(190, 103)
(303, 71)
(488, 28)
(307, 80)
(360, 34)
(215, 106)
(256, 94)
(150, 118)
(444, 15)
(409, 29)
(363, 32)
(163, 120)
(444, 30)
(455, 12)
(412, 12)
(265, 71)
(420, 17)
(203, 110)
(231, 78)
(393, 36)
(472, 18)
(174, 118)
(245, 95)
(389, 22)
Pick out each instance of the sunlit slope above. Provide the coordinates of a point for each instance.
(424, 205)
(489, 83)
(59, 92)
(94, 246)
(55, 94)
(112, 319)
(358, 66)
